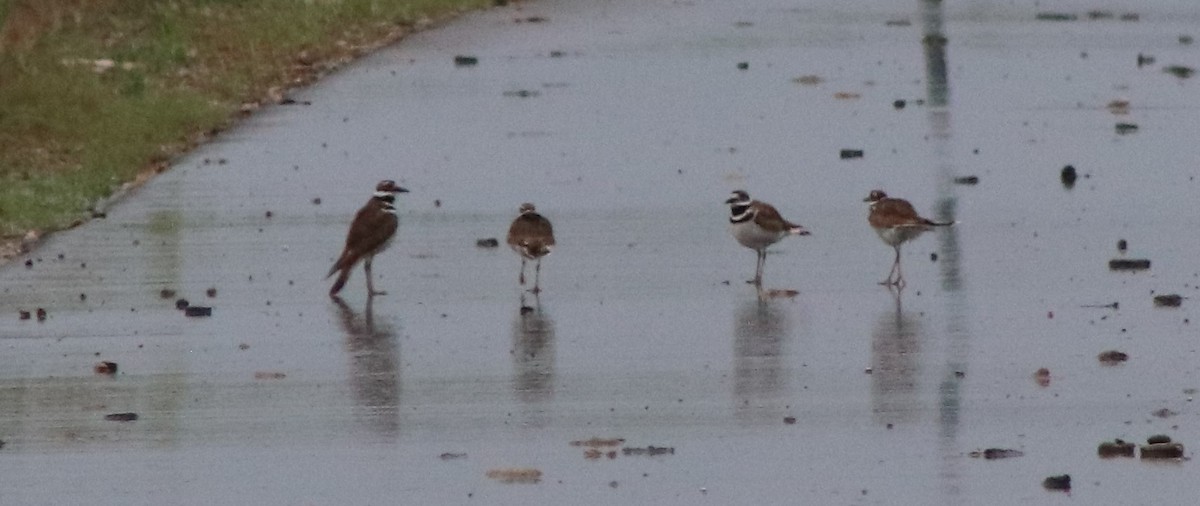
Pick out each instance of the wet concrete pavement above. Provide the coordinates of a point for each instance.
(634, 126)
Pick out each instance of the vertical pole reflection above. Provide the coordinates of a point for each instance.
(164, 269)
(934, 42)
(937, 86)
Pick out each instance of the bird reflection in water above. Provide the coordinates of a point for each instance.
(533, 353)
(895, 349)
(761, 331)
(374, 369)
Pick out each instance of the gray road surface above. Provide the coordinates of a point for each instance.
(628, 123)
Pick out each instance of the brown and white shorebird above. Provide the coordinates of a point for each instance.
(370, 233)
(897, 222)
(757, 225)
(532, 237)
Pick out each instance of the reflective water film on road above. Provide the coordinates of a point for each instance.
(184, 349)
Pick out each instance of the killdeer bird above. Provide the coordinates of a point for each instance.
(896, 222)
(370, 233)
(757, 225)
(532, 237)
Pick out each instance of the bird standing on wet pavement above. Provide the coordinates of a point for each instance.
(370, 233)
(532, 237)
(757, 225)
(896, 222)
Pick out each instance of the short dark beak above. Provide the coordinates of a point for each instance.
(399, 190)
(731, 200)
(868, 199)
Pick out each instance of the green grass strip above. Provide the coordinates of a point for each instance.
(72, 131)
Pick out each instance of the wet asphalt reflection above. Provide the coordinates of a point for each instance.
(628, 123)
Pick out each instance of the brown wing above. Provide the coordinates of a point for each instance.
(532, 233)
(889, 212)
(370, 229)
(767, 217)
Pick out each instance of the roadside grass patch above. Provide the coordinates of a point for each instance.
(94, 92)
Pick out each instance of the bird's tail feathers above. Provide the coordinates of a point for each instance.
(343, 263)
(340, 282)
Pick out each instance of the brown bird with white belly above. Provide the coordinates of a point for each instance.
(757, 225)
(532, 237)
(370, 233)
(897, 222)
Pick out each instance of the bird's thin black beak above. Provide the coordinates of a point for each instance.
(868, 199)
(731, 200)
(399, 190)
